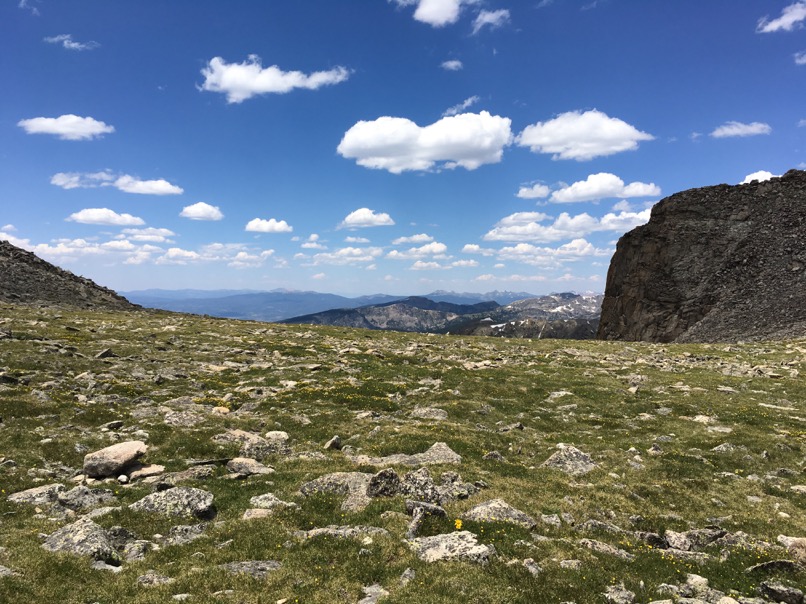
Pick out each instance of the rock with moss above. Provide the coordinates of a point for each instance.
(179, 501)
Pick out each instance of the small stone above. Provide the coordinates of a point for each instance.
(333, 444)
(372, 594)
(254, 568)
(570, 460)
(220, 410)
(152, 579)
(532, 566)
(248, 467)
(618, 594)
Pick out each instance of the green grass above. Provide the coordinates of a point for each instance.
(313, 381)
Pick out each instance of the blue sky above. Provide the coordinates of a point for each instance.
(365, 146)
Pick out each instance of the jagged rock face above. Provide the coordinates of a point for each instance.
(24, 277)
(722, 263)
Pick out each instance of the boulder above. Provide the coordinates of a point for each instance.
(178, 501)
(112, 460)
(460, 545)
(498, 510)
(43, 495)
(570, 460)
(83, 538)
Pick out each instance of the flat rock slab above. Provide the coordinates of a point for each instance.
(570, 460)
(179, 501)
(43, 495)
(429, 413)
(352, 484)
(259, 569)
(246, 466)
(83, 498)
(498, 510)
(438, 453)
(269, 501)
(461, 545)
(112, 460)
(83, 538)
(604, 548)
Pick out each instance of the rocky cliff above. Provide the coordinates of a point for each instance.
(721, 263)
(26, 278)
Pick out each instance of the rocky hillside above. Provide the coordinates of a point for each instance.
(26, 278)
(722, 263)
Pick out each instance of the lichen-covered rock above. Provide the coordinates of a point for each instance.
(246, 466)
(460, 545)
(778, 592)
(570, 460)
(43, 495)
(83, 538)
(342, 532)
(179, 501)
(385, 483)
(438, 453)
(498, 510)
(258, 569)
(269, 501)
(111, 461)
(353, 485)
(81, 498)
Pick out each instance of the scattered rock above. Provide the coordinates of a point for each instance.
(778, 592)
(112, 460)
(259, 569)
(372, 594)
(178, 501)
(618, 594)
(438, 453)
(498, 510)
(83, 538)
(460, 545)
(333, 444)
(342, 532)
(351, 484)
(245, 466)
(153, 579)
(432, 413)
(570, 460)
(43, 495)
(604, 548)
(418, 510)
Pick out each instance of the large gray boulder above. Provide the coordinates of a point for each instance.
(498, 510)
(83, 538)
(113, 460)
(460, 545)
(570, 460)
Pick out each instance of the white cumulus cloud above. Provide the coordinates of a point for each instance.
(791, 17)
(398, 144)
(517, 228)
(732, 129)
(602, 186)
(474, 248)
(437, 13)
(66, 40)
(104, 216)
(582, 136)
(364, 217)
(67, 127)
(201, 211)
(452, 65)
(490, 18)
(419, 238)
(536, 191)
(150, 235)
(125, 183)
(760, 176)
(241, 81)
(348, 255)
(259, 225)
(434, 248)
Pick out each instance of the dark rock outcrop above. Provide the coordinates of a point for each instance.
(721, 263)
(26, 278)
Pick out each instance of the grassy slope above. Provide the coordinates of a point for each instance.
(327, 375)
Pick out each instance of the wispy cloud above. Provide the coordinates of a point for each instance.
(66, 40)
(791, 17)
(490, 18)
(452, 65)
(456, 109)
(738, 129)
(125, 183)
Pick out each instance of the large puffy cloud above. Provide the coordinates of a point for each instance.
(201, 211)
(67, 127)
(398, 144)
(536, 191)
(791, 17)
(603, 186)
(125, 183)
(364, 217)
(104, 216)
(490, 18)
(241, 81)
(565, 226)
(527, 253)
(582, 136)
(732, 129)
(260, 225)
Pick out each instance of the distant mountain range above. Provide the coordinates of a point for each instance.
(279, 304)
(566, 315)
